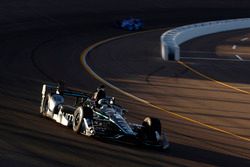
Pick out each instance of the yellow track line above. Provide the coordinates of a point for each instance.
(211, 79)
(96, 76)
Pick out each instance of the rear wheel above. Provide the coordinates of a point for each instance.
(151, 129)
(77, 121)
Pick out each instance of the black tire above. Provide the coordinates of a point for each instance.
(87, 112)
(150, 125)
(78, 118)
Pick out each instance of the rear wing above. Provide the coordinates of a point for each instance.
(52, 88)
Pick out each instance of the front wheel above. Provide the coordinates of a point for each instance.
(78, 118)
(151, 129)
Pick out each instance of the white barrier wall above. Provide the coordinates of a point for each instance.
(171, 39)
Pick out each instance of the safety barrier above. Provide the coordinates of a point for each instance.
(171, 39)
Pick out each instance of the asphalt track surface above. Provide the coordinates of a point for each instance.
(42, 42)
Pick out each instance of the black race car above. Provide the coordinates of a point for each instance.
(104, 120)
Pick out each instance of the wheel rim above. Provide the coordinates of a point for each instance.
(77, 118)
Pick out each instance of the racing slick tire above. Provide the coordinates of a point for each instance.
(78, 119)
(151, 129)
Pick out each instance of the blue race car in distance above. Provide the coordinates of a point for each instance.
(131, 24)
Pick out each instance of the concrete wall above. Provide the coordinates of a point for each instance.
(171, 39)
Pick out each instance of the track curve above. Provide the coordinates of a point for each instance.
(179, 91)
(42, 41)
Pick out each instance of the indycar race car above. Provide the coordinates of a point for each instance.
(131, 24)
(103, 119)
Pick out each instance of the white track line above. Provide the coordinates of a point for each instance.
(204, 52)
(213, 59)
(244, 39)
(239, 57)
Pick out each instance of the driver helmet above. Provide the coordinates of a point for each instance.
(102, 87)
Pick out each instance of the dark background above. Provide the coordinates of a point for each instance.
(41, 41)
